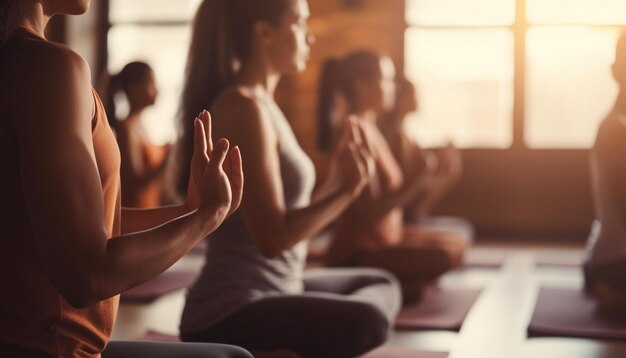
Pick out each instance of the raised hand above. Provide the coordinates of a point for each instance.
(351, 163)
(216, 181)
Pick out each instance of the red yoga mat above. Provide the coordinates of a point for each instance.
(563, 312)
(440, 309)
(165, 283)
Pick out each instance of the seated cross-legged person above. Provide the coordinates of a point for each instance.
(253, 291)
(372, 231)
(68, 247)
(606, 255)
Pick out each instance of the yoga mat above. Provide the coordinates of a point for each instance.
(563, 312)
(155, 336)
(398, 352)
(563, 261)
(440, 309)
(165, 283)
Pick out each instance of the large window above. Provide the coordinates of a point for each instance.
(157, 32)
(502, 73)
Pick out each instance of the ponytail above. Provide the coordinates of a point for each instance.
(329, 89)
(337, 81)
(132, 73)
(221, 39)
(210, 69)
(112, 89)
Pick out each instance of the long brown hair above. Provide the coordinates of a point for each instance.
(221, 40)
(338, 78)
(12, 13)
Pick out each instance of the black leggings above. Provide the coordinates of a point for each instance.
(342, 313)
(123, 349)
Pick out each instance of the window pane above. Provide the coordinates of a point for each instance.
(460, 12)
(569, 85)
(577, 11)
(165, 49)
(152, 10)
(465, 85)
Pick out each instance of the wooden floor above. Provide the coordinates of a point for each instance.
(495, 327)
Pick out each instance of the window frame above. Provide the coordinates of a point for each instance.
(519, 30)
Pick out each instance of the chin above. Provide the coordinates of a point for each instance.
(78, 7)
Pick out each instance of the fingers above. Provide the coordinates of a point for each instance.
(355, 131)
(205, 117)
(235, 176)
(200, 144)
(346, 135)
(219, 153)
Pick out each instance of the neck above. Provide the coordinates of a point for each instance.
(135, 112)
(256, 72)
(37, 19)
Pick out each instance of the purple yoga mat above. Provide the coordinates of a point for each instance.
(165, 283)
(440, 309)
(155, 336)
(398, 352)
(563, 312)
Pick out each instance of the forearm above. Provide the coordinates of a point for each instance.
(304, 223)
(134, 220)
(375, 208)
(135, 258)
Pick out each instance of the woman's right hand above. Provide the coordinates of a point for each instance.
(216, 185)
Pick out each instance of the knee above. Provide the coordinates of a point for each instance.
(375, 276)
(369, 328)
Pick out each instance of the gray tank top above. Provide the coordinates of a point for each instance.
(235, 272)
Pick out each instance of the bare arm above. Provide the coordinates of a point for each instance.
(273, 228)
(378, 201)
(63, 194)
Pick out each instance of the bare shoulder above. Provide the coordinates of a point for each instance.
(46, 80)
(239, 115)
(239, 104)
(58, 62)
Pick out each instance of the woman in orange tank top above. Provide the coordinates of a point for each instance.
(68, 248)
(143, 163)
(372, 231)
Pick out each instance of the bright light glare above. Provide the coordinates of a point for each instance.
(465, 86)
(576, 11)
(569, 85)
(460, 12)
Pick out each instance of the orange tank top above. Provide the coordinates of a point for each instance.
(36, 319)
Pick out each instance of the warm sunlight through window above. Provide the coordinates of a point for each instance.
(157, 32)
(598, 12)
(569, 85)
(165, 50)
(465, 86)
(466, 81)
(455, 12)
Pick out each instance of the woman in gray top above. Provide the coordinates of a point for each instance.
(252, 290)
